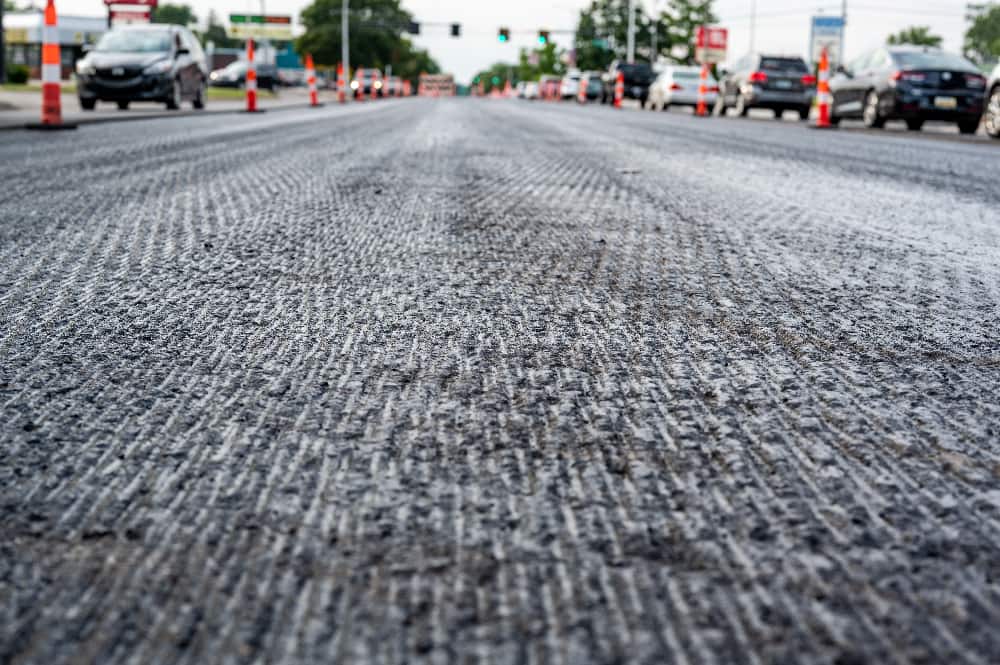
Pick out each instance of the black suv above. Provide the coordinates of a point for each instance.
(775, 82)
(149, 63)
(638, 77)
(911, 83)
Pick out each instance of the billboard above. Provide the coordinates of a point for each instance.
(827, 32)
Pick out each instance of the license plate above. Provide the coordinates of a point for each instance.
(784, 85)
(946, 102)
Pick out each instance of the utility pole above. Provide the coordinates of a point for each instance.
(345, 47)
(630, 40)
(3, 50)
(656, 33)
(753, 25)
(843, 32)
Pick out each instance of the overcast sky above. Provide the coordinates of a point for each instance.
(782, 25)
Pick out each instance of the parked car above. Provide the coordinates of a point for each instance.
(394, 86)
(532, 90)
(638, 77)
(591, 83)
(911, 83)
(152, 63)
(570, 87)
(370, 83)
(234, 75)
(992, 116)
(678, 86)
(775, 82)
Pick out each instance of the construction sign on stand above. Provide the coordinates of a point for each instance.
(827, 34)
(711, 45)
(257, 26)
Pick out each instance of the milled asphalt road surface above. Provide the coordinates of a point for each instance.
(497, 382)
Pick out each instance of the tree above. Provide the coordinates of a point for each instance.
(496, 76)
(918, 35)
(174, 14)
(539, 62)
(680, 24)
(982, 40)
(376, 37)
(215, 32)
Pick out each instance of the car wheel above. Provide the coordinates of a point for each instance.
(88, 104)
(914, 125)
(992, 118)
(871, 116)
(778, 113)
(123, 105)
(741, 106)
(835, 120)
(642, 103)
(199, 98)
(665, 107)
(174, 101)
(804, 113)
(969, 126)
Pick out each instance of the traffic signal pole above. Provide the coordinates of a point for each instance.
(3, 50)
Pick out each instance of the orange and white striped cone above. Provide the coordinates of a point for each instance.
(251, 82)
(341, 84)
(311, 81)
(581, 93)
(407, 89)
(619, 89)
(51, 74)
(823, 93)
(702, 110)
(361, 85)
(507, 90)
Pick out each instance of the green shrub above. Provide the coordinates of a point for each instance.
(17, 74)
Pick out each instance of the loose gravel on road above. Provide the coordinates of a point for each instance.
(463, 381)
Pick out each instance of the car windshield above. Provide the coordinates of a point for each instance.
(931, 60)
(236, 67)
(784, 64)
(687, 75)
(135, 41)
(637, 70)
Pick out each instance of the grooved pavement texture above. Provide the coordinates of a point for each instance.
(473, 382)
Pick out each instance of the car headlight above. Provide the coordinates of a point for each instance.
(354, 85)
(84, 68)
(161, 67)
(378, 85)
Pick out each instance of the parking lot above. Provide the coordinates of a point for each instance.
(438, 381)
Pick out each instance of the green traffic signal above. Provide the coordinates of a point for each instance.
(543, 37)
(503, 35)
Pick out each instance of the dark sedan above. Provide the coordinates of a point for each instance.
(234, 75)
(910, 83)
(154, 63)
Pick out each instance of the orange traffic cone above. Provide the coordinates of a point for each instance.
(702, 110)
(823, 93)
(619, 89)
(341, 84)
(251, 81)
(361, 85)
(51, 74)
(311, 81)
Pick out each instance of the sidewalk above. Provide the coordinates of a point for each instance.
(20, 108)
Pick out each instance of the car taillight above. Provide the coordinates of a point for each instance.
(676, 86)
(808, 80)
(713, 88)
(758, 77)
(975, 81)
(913, 77)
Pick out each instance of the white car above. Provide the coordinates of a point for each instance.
(678, 86)
(570, 87)
(531, 90)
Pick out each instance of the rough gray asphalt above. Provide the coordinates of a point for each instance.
(493, 382)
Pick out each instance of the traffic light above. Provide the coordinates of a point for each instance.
(504, 35)
(543, 37)
(456, 29)
(413, 28)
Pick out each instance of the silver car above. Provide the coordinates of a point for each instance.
(678, 86)
(992, 116)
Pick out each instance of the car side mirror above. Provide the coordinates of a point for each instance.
(843, 70)
(183, 51)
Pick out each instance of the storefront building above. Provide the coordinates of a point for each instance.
(23, 39)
